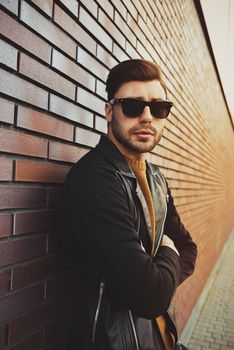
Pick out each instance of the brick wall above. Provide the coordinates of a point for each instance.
(55, 56)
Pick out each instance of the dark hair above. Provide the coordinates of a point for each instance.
(132, 70)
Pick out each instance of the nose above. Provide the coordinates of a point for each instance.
(146, 116)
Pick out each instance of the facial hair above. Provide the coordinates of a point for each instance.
(126, 136)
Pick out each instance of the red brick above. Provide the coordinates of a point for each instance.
(151, 10)
(53, 243)
(18, 250)
(45, 5)
(101, 89)
(101, 35)
(47, 29)
(31, 171)
(101, 124)
(2, 336)
(35, 319)
(107, 7)
(92, 64)
(160, 32)
(34, 221)
(11, 5)
(133, 27)
(58, 284)
(151, 26)
(121, 8)
(145, 29)
(19, 143)
(105, 57)
(86, 137)
(141, 10)
(44, 75)
(152, 51)
(4, 281)
(53, 196)
(21, 197)
(66, 153)
(70, 111)
(35, 271)
(8, 55)
(18, 88)
(119, 54)
(7, 109)
(115, 30)
(44, 123)
(74, 29)
(5, 225)
(17, 32)
(91, 101)
(130, 50)
(73, 70)
(6, 169)
(143, 52)
(33, 342)
(71, 5)
(92, 7)
(13, 304)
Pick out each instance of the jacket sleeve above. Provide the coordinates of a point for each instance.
(182, 240)
(96, 211)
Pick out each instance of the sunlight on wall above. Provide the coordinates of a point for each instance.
(219, 16)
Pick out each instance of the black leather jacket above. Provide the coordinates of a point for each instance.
(118, 287)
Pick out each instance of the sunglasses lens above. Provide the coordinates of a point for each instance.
(160, 110)
(132, 108)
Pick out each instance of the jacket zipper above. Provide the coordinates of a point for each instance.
(101, 288)
(164, 219)
(134, 330)
(161, 233)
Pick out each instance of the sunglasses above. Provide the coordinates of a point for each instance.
(133, 108)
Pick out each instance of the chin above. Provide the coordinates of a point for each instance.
(143, 148)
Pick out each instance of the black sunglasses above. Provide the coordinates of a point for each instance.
(133, 108)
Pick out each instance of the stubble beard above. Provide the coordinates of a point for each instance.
(129, 141)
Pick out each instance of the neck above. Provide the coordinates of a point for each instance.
(126, 152)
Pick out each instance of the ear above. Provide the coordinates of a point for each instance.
(108, 112)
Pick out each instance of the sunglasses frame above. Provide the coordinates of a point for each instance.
(115, 101)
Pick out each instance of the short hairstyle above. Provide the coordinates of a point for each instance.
(132, 70)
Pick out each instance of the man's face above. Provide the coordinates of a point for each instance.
(139, 135)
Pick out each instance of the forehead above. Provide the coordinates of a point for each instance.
(142, 89)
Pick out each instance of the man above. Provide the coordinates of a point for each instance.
(127, 246)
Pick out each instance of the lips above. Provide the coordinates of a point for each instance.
(144, 132)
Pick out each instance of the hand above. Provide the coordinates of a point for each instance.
(168, 242)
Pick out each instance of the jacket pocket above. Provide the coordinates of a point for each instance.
(113, 326)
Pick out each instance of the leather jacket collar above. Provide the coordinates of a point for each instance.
(113, 155)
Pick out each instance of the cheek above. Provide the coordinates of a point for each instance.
(159, 124)
(125, 122)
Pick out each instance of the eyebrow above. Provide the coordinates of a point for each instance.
(159, 99)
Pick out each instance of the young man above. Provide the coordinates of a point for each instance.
(127, 246)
